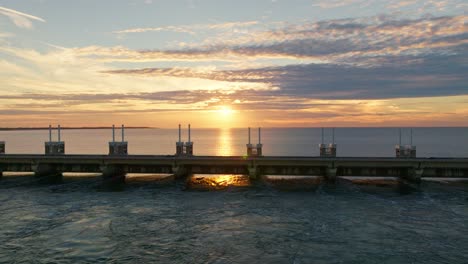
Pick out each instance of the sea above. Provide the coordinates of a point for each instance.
(229, 218)
(351, 142)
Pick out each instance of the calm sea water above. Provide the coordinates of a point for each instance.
(171, 221)
(430, 142)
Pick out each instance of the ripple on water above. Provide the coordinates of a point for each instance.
(345, 223)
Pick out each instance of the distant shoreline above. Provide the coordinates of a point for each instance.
(66, 128)
(143, 127)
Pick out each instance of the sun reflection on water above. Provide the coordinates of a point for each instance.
(225, 142)
(218, 181)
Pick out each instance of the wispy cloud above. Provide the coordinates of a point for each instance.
(20, 19)
(338, 3)
(179, 29)
(190, 29)
(407, 6)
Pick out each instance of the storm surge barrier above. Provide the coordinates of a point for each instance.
(52, 167)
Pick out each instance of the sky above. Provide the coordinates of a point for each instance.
(219, 63)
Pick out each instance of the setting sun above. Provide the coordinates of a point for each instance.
(225, 111)
(225, 116)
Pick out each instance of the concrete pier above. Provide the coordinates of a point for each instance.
(328, 151)
(252, 170)
(54, 147)
(2, 147)
(258, 150)
(249, 145)
(330, 174)
(118, 148)
(179, 171)
(180, 144)
(113, 174)
(259, 145)
(405, 151)
(47, 173)
(184, 148)
(414, 175)
(179, 148)
(189, 144)
(253, 173)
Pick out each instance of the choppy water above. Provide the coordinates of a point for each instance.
(149, 222)
(380, 142)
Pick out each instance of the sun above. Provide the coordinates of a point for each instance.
(225, 110)
(225, 116)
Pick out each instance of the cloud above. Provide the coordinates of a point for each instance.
(190, 29)
(397, 77)
(370, 58)
(411, 7)
(324, 41)
(178, 29)
(20, 19)
(338, 71)
(273, 110)
(4, 35)
(383, 34)
(338, 3)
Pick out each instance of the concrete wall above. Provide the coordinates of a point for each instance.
(240, 165)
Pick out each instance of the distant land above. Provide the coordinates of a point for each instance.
(66, 128)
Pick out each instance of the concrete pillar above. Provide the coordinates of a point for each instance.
(259, 145)
(414, 175)
(398, 151)
(332, 150)
(249, 146)
(253, 173)
(118, 148)
(180, 144)
(405, 151)
(413, 151)
(113, 174)
(330, 174)
(189, 148)
(249, 150)
(2, 147)
(398, 147)
(179, 148)
(328, 151)
(54, 147)
(189, 144)
(323, 150)
(179, 171)
(259, 150)
(47, 173)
